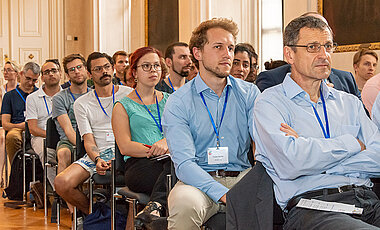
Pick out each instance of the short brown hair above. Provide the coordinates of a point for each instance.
(71, 58)
(358, 56)
(118, 53)
(199, 35)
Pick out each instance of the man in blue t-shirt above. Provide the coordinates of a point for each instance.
(13, 107)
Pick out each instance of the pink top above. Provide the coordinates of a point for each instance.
(370, 91)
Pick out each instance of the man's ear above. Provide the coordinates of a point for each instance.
(197, 53)
(169, 62)
(289, 54)
(356, 67)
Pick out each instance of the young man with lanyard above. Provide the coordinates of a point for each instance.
(39, 105)
(317, 143)
(178, 60)
(93, 113)
(13, 107)
(208, 126)
(62, 107)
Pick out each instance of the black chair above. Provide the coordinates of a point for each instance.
(134, 199)
(51, 141)
(28, 152)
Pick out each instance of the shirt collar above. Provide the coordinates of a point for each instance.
(201, 86)
(292, 89)
(41, 92)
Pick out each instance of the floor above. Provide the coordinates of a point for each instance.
(30, 218)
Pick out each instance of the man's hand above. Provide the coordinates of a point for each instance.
(362, 145)
(223, 199)
(102, 166)
(158, 148)
(288, 130)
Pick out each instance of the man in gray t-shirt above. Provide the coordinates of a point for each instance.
(62, 111)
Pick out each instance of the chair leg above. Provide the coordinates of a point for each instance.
(75, 224)
(131, 214)
(91, 193)
(45, 180)
(6, 167)
(23, 168)
(113, 193)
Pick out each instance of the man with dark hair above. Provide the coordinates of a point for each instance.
(177, 59)
(212, 115)
(93, 113)
(39, 107)
(318, 145)
(13, 107)
(120, 60)
(341, 80)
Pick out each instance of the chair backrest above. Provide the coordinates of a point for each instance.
(119, 159)
(28, 137)
(80, 150)
(52, 135)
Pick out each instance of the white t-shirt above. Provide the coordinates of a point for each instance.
(36, 108)
(91, 118)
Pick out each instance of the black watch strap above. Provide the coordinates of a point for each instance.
(96, 159)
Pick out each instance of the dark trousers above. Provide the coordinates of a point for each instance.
(301, 218)
(148, 176)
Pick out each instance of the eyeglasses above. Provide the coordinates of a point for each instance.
(316, 47)
(98, 69)
(48, 71)
(148, 67)
(72, 69)
(8, 71)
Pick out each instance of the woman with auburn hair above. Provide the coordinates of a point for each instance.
(136, 123)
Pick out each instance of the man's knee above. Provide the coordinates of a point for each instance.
(64, 155)
(14, 135)
(62, 183)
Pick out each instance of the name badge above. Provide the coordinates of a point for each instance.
(110, 137)
(217, 155)
(329, 206)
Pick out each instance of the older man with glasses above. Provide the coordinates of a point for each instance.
(13, 107)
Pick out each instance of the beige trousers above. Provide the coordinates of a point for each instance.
(189, 207)
(13, 142)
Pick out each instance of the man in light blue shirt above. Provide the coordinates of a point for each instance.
(314, 141)
(208, 125)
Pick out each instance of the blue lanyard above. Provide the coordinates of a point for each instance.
(326, 132)
(47, 108)
(216, 130)
(72, 95)
(20, 95)
(113, 99)
(170, 82)
(158, 111)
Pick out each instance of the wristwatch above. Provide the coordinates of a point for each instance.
(96, 159)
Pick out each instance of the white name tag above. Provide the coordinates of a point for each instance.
(110, 137)
(329, 206)
(217, 155)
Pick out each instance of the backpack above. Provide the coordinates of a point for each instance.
(14, 191)
(100, 218)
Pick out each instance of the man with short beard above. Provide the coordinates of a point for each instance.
(93, 113)
(177, 58)
(208, 125)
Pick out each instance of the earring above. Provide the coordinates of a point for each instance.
(136, 80)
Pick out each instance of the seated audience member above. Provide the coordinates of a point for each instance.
(365, 63)
(241, 66)
(252, 76)
(11, 75)
(62, 107)
(178, 61)
(136, 122)
(317, 144)
(376, 111)
(93, 113)
(341, 80)
(39, 107)
(13, 108)
(274, 64)
(120, 60)
(193, 69)
(370, 91)
(208, 125)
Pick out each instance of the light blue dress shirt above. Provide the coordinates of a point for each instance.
(375, 113)
(189, 132)
(311, 162)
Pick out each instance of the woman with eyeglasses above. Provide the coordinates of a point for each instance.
(11, 75)
(136, 123)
